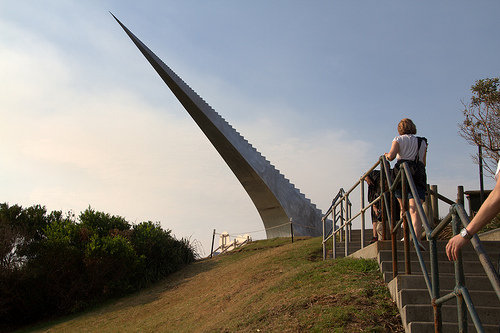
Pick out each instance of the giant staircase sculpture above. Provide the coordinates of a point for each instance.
(277, 200)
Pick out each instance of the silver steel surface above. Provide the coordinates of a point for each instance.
(276, 199)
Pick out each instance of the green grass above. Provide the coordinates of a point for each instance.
(266, 286)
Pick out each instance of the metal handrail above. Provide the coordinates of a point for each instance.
(345, 215)
(457, 216)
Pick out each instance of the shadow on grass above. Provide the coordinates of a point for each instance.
(144, 296)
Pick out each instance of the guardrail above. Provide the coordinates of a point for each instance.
(457, 217)
(341, 211)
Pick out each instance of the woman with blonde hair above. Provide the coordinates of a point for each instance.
(411, 149)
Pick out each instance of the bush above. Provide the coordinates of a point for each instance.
(163, 254)
(52, 264)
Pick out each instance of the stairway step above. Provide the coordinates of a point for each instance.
(446, 281)
(415, 303)
(425, 327)
(492, 248)
(470, 267)
(421, 296)
(425, 313)
(386, 255)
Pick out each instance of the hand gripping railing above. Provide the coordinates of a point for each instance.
(458, 216)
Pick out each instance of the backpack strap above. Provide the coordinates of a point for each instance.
(419, 139)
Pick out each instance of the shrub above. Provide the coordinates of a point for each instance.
(163, 254)
(52, 264)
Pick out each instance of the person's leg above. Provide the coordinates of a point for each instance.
(415, 218)
(401, 214)
(401, 207)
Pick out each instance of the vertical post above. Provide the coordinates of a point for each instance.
(435, 206)
(334, 235)
(460, 195)
(481, 184)
(350, 224)
(394, 245)
(404, 199)
(346, 238)
(428, 207)
(291, 228)
(341, 221)
(212, 249)
(323, 241)
(459, 277)
(382, 205)
(435, 283)
(362, 197)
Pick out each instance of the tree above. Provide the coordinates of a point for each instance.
(481, 126)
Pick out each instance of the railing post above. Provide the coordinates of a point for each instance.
(405, 221)
(460, 195)
(428, 207)
(394, 233)
(459, 276)
(346, 238)
(362, 197)
(212, 248)
(350, 215)
(334, 236)
(323, 242)
(435, 282)
(341, 221)
(382, 206)
(435, 205)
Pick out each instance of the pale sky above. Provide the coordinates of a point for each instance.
(318, 87)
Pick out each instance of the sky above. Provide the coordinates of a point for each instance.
(318, 87)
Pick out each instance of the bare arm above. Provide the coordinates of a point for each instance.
(393, 152)
(489, 209)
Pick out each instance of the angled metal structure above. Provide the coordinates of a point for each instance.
(276, 199)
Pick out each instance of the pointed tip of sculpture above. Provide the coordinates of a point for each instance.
(114, 17)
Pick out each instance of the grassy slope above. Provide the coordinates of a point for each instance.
(270, 285)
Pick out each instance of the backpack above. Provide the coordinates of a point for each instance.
(417, 167)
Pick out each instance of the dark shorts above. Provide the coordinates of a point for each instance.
(420, 192)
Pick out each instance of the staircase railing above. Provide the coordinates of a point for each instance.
(457, 216)
(341, 211)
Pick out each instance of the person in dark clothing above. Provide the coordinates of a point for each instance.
(373, 181)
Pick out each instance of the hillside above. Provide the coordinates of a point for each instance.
(270, 285)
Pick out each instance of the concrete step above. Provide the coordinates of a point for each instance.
(410, 291)
(424, 313)
(421, 296)
(470, 267)
(388, 275)
(492, 248)
(446, 281)
(425, 327)
(386, 255)
(340, 253)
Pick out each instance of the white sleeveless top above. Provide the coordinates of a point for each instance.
(408, 144)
